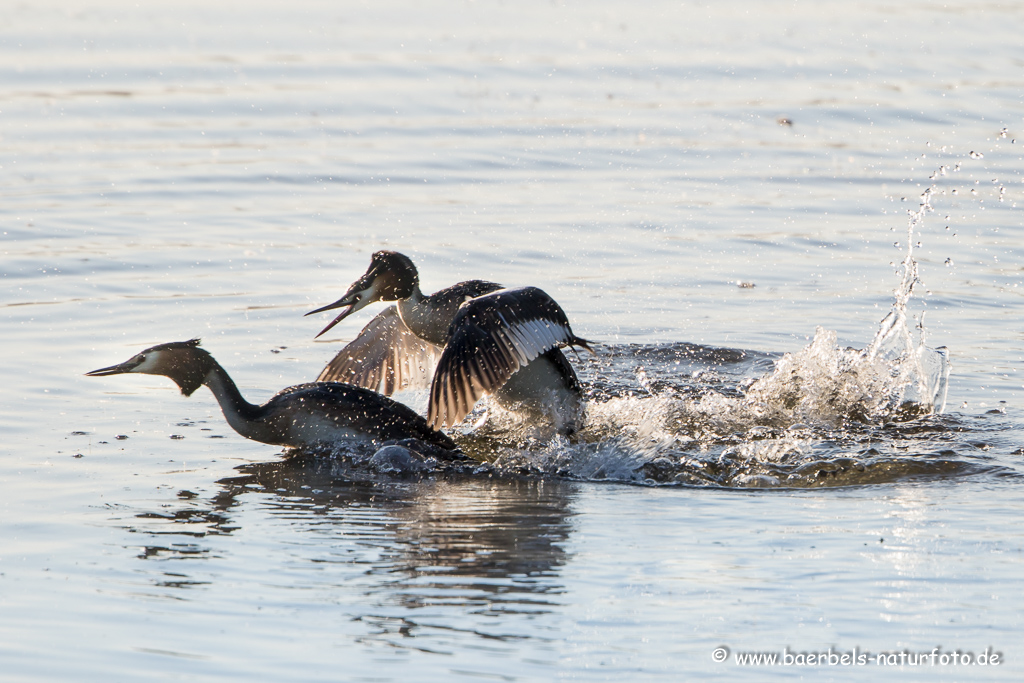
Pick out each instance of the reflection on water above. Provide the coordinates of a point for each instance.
(418, 550)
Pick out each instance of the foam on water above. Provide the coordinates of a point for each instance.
(795, 426)
(817, 417)
(679, 413)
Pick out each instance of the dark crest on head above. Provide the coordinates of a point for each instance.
(395, 274)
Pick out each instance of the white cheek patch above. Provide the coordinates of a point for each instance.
(370, 293)
(366, 297)
(148, 366)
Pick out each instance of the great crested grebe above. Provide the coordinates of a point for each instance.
(483, 338)
(303, 415)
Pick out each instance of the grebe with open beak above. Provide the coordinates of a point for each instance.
(484, 339)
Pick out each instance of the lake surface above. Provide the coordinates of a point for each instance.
(717, 194)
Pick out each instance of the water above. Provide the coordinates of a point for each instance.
(718, 195)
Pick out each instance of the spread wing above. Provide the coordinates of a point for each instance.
(386, 357)
(492, 336)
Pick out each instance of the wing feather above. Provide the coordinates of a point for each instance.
(385, 357)
(491, 337)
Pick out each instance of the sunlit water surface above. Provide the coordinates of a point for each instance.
(719, 196)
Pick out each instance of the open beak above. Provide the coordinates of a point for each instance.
(360, 294)
(350, 302)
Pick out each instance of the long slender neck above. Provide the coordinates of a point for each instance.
(241, 415)
(421, 318)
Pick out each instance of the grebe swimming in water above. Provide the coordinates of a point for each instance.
(484, 339)
(303, 415)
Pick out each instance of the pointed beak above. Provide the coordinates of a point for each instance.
(113, 369)
(360, 294)
(350, 302)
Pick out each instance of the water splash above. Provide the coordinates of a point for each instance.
(821, 416)
(920, 373)
(825, 415)
(895, 377)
